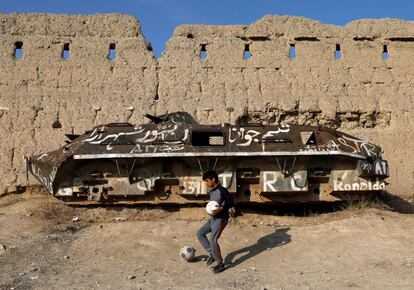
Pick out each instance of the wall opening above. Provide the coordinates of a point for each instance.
(384, 52)
(292, 51)
(18, 49)
(112, 51)
(246, 53)
(338, 52)
(203, 51)
(65, 51)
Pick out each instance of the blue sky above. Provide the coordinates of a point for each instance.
(159, 17)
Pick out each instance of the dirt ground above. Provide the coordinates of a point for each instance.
(48, 245)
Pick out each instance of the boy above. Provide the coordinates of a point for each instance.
(217, 222)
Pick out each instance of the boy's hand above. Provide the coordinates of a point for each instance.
(217, 210)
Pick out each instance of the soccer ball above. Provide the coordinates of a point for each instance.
(212, 205)
(187, 252)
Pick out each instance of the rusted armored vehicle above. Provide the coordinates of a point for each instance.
(163, 161)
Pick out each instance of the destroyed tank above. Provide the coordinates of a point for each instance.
(163, 162)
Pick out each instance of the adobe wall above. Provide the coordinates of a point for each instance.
(42, 95)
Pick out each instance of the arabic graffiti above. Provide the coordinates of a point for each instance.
(243, 137)
(170, 138)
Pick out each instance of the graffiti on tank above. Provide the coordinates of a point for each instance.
(362, 186)
(357, 146)
(195, 184)
(46, 180)
(243, 137)
(192, 185)
(272, 179)
(167, 137)
(379, 167)
(146, 179)
(226, 178)
(330, 146)
(157, 148)
(152, 135)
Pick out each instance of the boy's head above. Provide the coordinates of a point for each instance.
(210, 177)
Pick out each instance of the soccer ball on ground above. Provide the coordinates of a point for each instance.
(212, 205)
(187, 252)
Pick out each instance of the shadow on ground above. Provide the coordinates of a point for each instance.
(396, 203)
(278, 238)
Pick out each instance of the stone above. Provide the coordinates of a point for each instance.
(131, 277)
(2, 249)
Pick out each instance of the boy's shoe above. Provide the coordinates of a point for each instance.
(210, 260)
(219, 268)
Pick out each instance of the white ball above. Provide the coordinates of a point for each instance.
(212, 205)
(187, 252)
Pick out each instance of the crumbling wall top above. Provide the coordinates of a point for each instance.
(273, 26)
(64, 25)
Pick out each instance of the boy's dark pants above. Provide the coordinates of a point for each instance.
(215, 226)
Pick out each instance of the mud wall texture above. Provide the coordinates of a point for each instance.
(357, 78)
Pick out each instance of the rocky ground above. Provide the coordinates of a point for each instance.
(48, 245)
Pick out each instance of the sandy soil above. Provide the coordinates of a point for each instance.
(48, 245)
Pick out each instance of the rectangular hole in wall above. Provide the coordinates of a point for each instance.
(384, 52)
(65, 51)
(246, 53)
(338, 52)
(203, 51)
(112, 51)
(292, 51)
(18, 49)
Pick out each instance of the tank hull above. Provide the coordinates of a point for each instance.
(163, 163)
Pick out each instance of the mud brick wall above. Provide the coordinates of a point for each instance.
(357, 78)
(44, 95)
